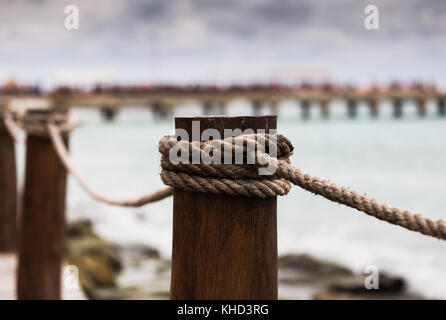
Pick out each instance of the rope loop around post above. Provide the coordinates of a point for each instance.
(35, 122)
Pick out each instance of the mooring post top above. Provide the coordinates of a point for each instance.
(191, 118)
(221, 123)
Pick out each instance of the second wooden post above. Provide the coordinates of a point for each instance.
(42, 221)
(8, 188)
(224, 247)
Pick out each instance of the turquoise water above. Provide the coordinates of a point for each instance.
(401, 162)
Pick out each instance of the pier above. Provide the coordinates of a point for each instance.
(163, 100)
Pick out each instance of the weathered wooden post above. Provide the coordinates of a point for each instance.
(43, 219)
(8, 187)
(224, 247)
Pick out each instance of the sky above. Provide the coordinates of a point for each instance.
(222, 41)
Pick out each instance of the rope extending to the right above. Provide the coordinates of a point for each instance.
(244, 180)
(240, 179)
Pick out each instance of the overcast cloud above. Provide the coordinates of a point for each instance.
(221, 41)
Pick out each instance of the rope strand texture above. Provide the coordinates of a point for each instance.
(244, 180)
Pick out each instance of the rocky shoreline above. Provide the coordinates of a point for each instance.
(110, 271)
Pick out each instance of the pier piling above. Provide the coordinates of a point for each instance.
(305, 106)
(257, 107)
(397, 108)
(441, 107)
(42, 221)
(224, 247)
(325, 110)
(373, 105)
(352, 108)
(8, 189)
(207, 108)
(108, 113)
(422, 107)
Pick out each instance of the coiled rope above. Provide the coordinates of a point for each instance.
(243, 179)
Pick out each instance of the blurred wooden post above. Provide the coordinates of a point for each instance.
(397, 108)
(224, 247)
(42, 221)
(305, 106)
(8, 189)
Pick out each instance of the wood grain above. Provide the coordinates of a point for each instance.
(224, 247)
(42, 222)
(8, 192)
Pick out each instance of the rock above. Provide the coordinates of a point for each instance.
(304, 268)
(387, 285)
(304, 277)
(98, 260)
(330, 296)
(141, 251)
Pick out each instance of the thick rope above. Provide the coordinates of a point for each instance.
(62, 152)
(244, 180)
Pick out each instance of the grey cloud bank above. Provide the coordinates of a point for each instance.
(220, 41)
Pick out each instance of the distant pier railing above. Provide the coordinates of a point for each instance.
(163, 100)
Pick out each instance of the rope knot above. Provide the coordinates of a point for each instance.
(36, 122)
(244, 165)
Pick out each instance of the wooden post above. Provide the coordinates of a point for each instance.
(8, 190)
(224, 247)
(42, 222)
